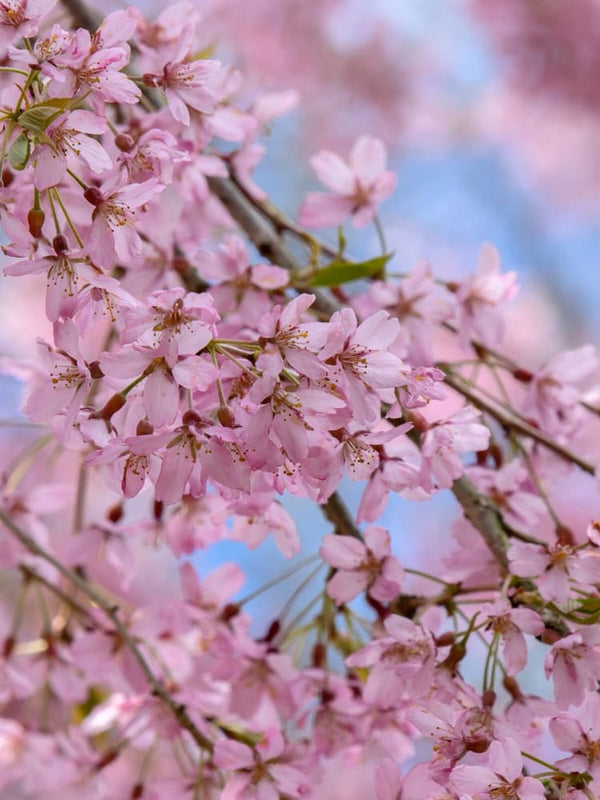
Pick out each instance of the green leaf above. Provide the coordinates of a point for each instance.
(338, 272)
(37, 118)
(19, 152)
(587, 611)
(341, 240)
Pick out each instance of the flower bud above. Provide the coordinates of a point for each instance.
(231, 610)
(124, 142)
(60, 244)
(115, 513)
(477, 744)
(191, 418)
(274, 629)
(114, 404)
(144, 428)
(488, 698)
(95, 370)
(226, 416)
(93, 195)
(512, 687)
(523, 375)
(319, 653)
(565, 536)
(35, 222)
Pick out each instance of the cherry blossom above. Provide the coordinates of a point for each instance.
(113, 234)
(510, 624)
(480, 296)
(361, 566)
(503, 776)
(68, 136)
(358, 186)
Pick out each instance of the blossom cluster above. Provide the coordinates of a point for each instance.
(197, 367)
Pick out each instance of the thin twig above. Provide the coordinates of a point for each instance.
(512, 423)
(282, 222)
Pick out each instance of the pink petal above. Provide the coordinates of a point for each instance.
(346, 585)
(161, 397)
(342, 552)
(377, 540)
(321, 210)
(333, 172)
(368, 159)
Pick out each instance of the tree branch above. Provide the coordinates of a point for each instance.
(81, 15)
(264, 236)
(513, 423)
(336, 511)
(484, 516)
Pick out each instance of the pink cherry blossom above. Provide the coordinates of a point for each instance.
(480, 297)
(67, 138)
(362, 566)
(20, 18)
(186, 82)
(401, 661)
(510, 623)
(574, 662)
(555, 567)
(553, 396)
(579, 734)
(113, 233)
(358, 359)
(272, 778)
(442, 444)
(358, 186)
(502, 778)
(67, 382)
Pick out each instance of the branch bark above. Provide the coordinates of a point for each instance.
(336, 511)
(482, 514)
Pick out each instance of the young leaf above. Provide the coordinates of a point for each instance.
(19, 152)
(338, 272)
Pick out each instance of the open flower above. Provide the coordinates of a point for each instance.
(502, 778)
(113, 234)
(358, 186)
(369, 565)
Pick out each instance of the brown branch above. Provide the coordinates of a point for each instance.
(81, 15)
(264, 237)
(336, 511)
(112, 612)
(84, 613)
(510, 422)
(484, 516)
(284, 223)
